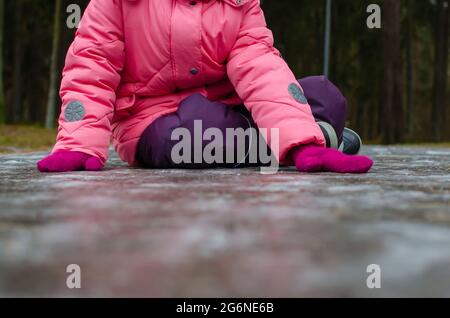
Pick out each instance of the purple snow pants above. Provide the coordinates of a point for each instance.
(155, 146)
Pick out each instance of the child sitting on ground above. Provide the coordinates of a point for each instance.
(139, 69)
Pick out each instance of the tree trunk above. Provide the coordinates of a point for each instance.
(392, 107)
(52, 91)
(17, 99)
(440, 69)
(410, 70)
(2, 92)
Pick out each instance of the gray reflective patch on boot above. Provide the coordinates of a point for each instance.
(331, 134)
(297, 93)
(74, 111)
(352, 142)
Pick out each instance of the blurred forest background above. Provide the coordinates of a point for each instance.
(396, 78)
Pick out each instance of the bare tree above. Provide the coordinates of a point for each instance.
(440, 69)
(2, 92)
(392, 102)
(409, 68)
(53, 89)
(18, 49)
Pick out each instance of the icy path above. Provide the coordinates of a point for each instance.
(228, 232)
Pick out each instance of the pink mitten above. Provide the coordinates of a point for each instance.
(313, 158)
(63, 161)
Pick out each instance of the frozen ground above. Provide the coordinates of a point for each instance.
(228, 232)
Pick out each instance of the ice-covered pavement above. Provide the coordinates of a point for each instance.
(228, 232)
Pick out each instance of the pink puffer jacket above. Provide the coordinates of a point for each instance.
(133, 61)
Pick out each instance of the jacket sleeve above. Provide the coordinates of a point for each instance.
(91, 76)
(268, 87)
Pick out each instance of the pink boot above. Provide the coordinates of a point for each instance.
(313, 158)
(64, 161)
